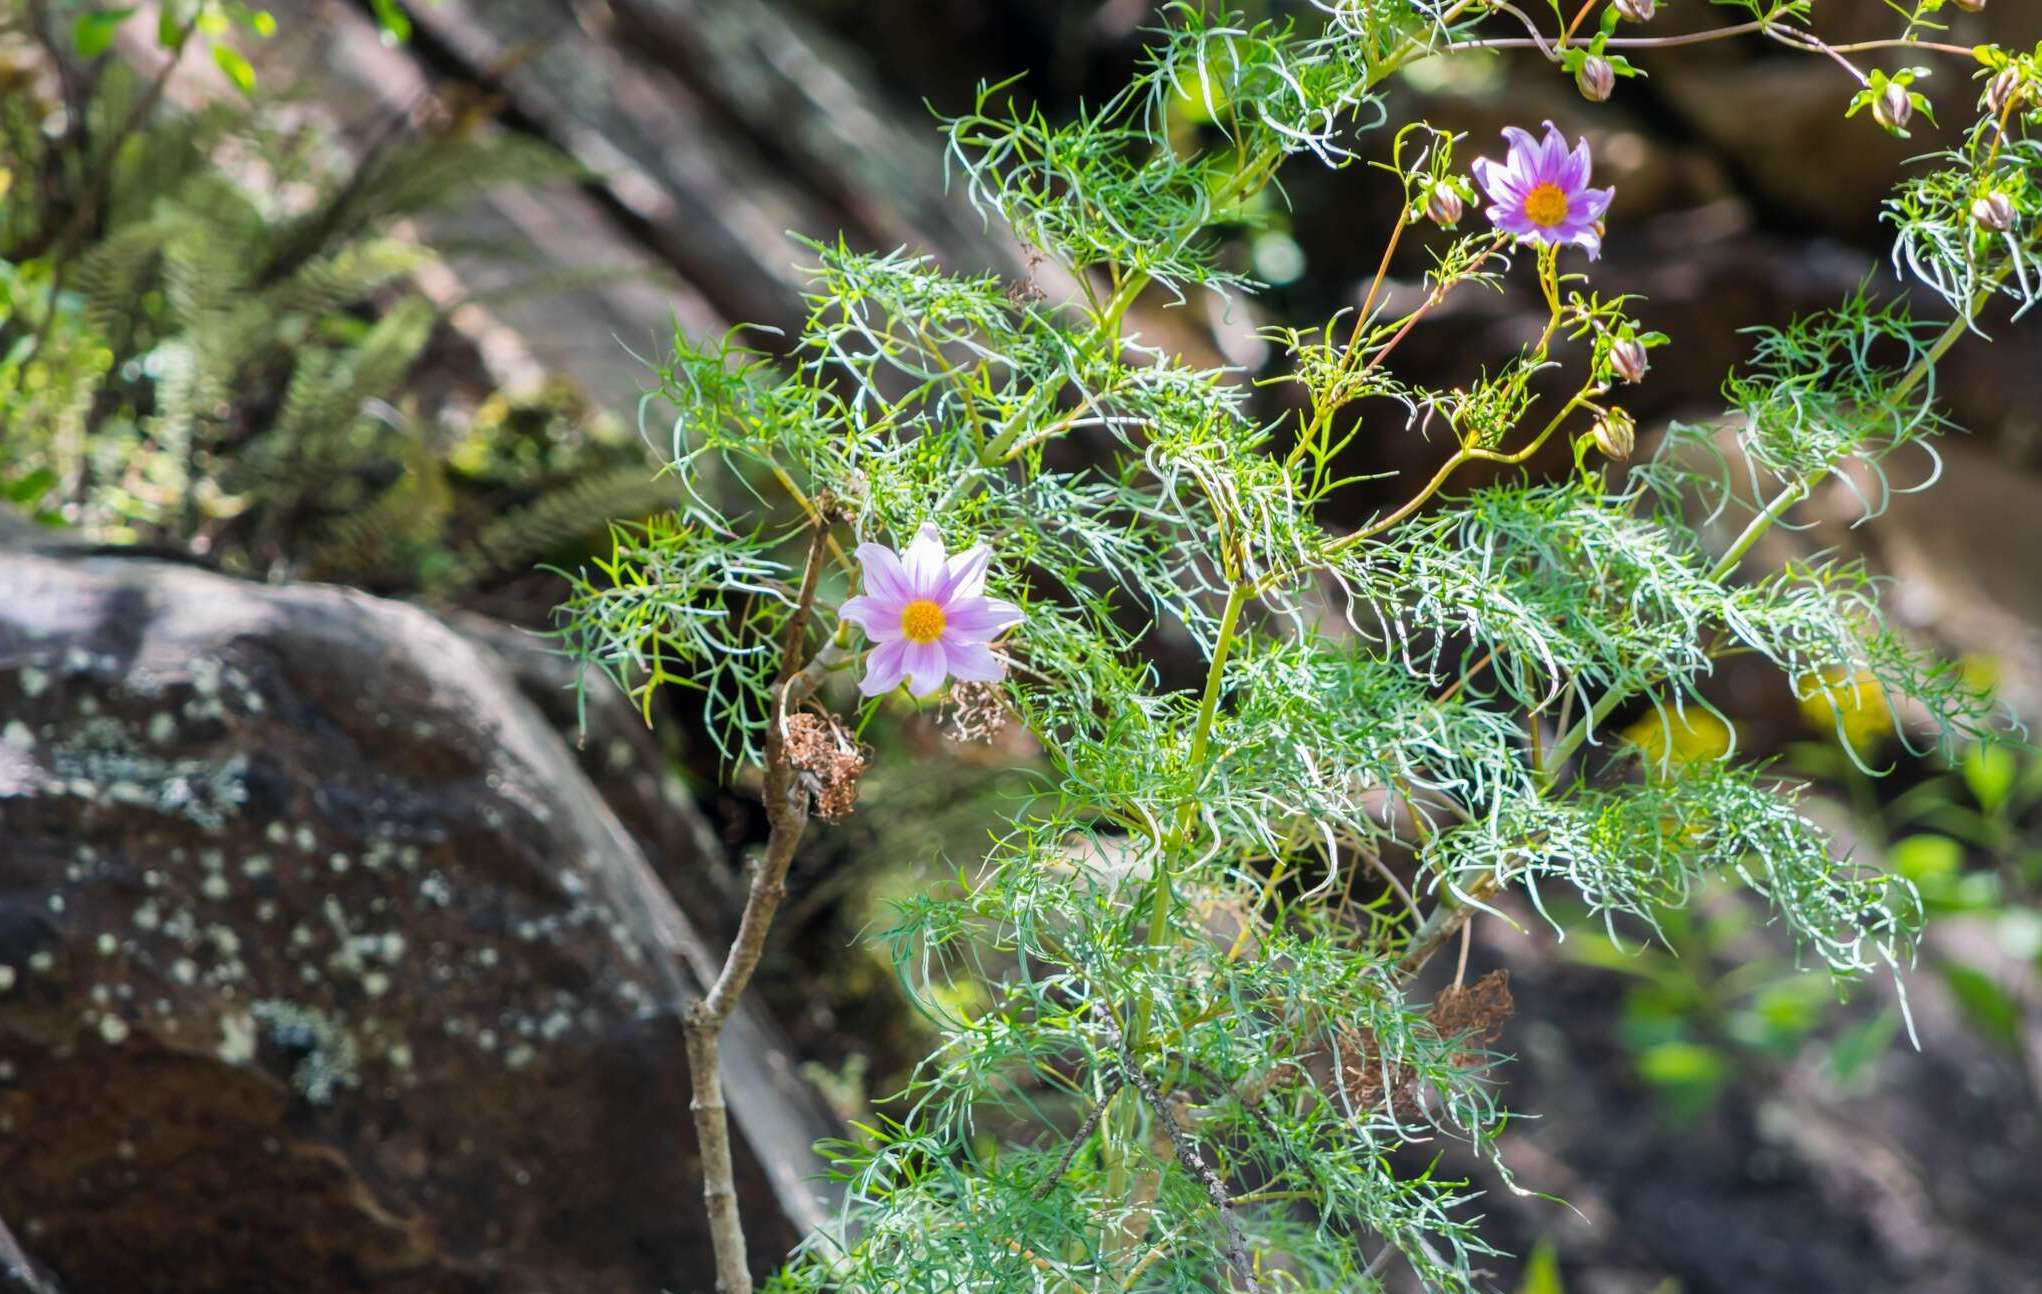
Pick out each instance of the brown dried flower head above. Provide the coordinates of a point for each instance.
(827, 761)
(978, 711)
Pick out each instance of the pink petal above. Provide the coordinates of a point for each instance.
(924, 561)
(1522, 145)
(1553, 153)
(884, 577)
(974, 662)
(1499, 182)
(925, 666)
(964, 576)
(1575, 169)
(977, 619)
(883, 669)
(879, 618)
(1512, 220)
(1593, 204)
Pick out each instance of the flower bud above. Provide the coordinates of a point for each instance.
(1627, 360)
(1616, 435)
(1637, 10)
(1893, 109)
(1596, 79)
(1994, 211)
(2003, 89)
(1443, 208)
(1969, 6)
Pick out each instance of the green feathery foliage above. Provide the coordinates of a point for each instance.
(1204, 1062)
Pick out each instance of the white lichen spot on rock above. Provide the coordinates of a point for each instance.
(162, 728)
(107, 945)
(375, 983)
(215, 887)
(17, 735)
(237, 1038)
(184, 970)
(113, 1029)
(6, 978)
(326, 1051)
(339, 863)
(255, 866)
(305, 840)
(33, 681)
(399, 1056)
(148, 916)
(42, 962)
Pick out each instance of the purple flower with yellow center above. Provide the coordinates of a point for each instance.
(1541, 192)
(929, 615)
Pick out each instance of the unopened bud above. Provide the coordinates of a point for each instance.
(1995, 211)
(1627, 360)
(2003, 89)
(1637, 10)
(1969, 6)
(1596, 79)
(1616, 435)
(1443, 208)
(1893, 108)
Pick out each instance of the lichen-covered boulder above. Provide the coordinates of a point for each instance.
(323, 966)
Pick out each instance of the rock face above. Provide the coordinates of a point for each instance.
(323, 967)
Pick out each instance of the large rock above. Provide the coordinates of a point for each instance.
(323, 967)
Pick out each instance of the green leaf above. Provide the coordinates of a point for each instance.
(1682, 1064)
(31, 487)
(1861, 1044)
(1990, 1008)
(1990, 771)
(171, 32)
(93, 33)
(1926, 858)
(1542, 1272)
(236, 67)
(391, 17)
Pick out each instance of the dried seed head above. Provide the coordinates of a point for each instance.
(1596, 79)
(1994, 211)
(978, 711)
(1616, 435)
(1474, 1014)
(1627, 360)
(827, 761)
(1444, 207)
(1637, 10)
(1893, 109)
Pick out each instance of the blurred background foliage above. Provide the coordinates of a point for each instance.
(238, 321)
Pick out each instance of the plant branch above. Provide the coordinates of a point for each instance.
(1188, 1156)
(1078, 1139)
(787, 815)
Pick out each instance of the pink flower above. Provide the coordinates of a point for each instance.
(929, 615)
(1541, 191)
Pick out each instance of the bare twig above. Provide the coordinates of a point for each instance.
(787, 807)
(1078, 1139)
(1187, 1155)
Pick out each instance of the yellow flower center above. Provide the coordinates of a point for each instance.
(1546, 206)
(921, 621)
